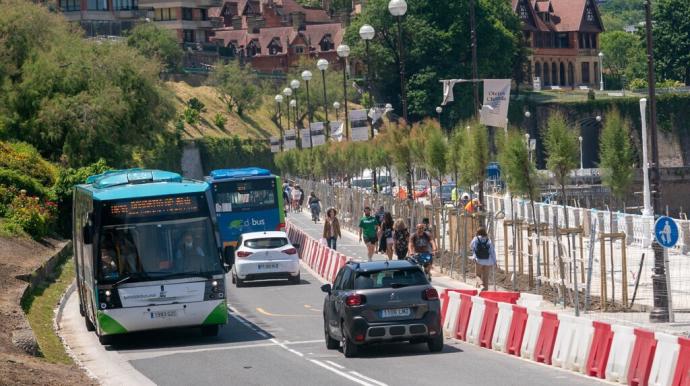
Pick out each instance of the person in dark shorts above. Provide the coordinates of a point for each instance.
(401, 237)
(368, 228)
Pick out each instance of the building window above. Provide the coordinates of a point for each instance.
(188, 36)
(204, 14)
(299, 49)
(562, 40)
(97, 5)
(253, 49)
(187, 14)
(326, 43)
(537, 70)
(70, 5)
(163, 14)
(274, 47)
(589, 15)
(120, 5)
(523, 12)
(585, 72)
(596, 73)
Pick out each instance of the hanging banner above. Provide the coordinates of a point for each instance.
(318, 134)
(290, 141)
(359, 126)
(275, 144)
(494, 112)
(304, 137)
(336, 130)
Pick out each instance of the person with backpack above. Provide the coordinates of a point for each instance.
(484, 256)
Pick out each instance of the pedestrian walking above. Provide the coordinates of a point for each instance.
(296, 198)
(484, 256)
(301, 197)
(386, 235)
(380, 213)
(368, 226)
(331, 228)
(314, 206)
(401, 237)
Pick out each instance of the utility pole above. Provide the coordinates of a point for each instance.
(475, 70)
(660, 286)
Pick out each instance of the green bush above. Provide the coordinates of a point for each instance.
(196, 104)
(218, 153)
(637, 83)
(22, 181)
(220, 120)
(33, 216)
(7, 194)
(26, 160)
(191, 116)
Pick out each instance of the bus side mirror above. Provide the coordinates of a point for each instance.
(229, 257)
(87, 234)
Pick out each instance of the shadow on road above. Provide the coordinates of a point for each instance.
(272, 283)
(401, 350)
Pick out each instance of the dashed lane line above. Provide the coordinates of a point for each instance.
(344, 374)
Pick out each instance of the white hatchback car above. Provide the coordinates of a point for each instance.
(265, 255)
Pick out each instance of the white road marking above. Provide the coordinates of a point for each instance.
(367, 378)
(296, 352)
(335, 364)
(341, 373)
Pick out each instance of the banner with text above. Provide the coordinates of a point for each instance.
(359, 126)
(275, 144)
(336, 130)
(290, 140)
(304, 137)
(318, 134)
(494, 112)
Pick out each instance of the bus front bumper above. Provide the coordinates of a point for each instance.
(124, 320)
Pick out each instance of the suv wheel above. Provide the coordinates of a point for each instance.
(295, 279)
(331, 343)
(436, 343)
(349, 348)
(239, 282)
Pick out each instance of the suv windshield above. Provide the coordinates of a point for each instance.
(157, 250)
(267, 243)
(390, 278)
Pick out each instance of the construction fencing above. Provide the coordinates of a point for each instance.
(600, 260)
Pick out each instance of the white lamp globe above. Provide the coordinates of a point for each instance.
(366, 32)
(293, 103)
(294, 84)
(336, 105)
(397, 7)
(306, 75)
(279, 98)
(343, 50)
(322, 64)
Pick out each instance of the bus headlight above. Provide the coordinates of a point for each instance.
(215, 289)
(109, 298)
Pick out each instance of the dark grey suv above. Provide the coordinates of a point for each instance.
(381, 301)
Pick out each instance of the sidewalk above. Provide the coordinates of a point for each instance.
(350, 246)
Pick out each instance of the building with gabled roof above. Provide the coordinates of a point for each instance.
(563, 36)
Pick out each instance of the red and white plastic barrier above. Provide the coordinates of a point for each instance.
(324, 261)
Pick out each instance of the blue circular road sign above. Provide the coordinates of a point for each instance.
(666, 231)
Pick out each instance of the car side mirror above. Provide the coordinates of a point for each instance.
(326, 288)
(229, 257)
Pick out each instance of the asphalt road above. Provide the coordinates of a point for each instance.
(275, 337)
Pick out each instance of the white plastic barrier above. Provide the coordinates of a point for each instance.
(620, 353)
(665, 359)
(475, 325)
(529, 339)
(584, 332)
(530, 300)
(450, 324)
(502, 328)
(564, 340)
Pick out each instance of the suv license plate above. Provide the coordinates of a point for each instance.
(164, 314)
(268, 266)
(395, 312)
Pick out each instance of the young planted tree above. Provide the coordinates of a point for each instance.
(399, 147)
(562, 149)
(616, 154)
(435, 149)
(521, 176)
(237, 86)
(475, 158)
(454, 154)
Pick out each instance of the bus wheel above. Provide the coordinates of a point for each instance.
(211, 330)
(89, 325)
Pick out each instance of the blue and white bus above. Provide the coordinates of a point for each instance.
(246, 200)
(147, 254)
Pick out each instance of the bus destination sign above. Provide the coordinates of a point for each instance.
(154, 207)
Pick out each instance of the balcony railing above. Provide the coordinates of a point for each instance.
(209, 3)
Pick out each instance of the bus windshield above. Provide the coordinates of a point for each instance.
(158, 250)
(242, 196)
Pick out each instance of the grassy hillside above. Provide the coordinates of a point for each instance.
(256, 124)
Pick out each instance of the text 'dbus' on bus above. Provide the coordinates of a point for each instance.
(147, 254)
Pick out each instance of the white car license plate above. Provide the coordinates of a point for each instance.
(395, 312)
(268, 266)
(164, 314)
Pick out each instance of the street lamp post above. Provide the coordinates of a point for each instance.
(343, 51)
(398, 8)
(279, 99)
(601, 71)
(306, 76)
(580, 139)
(367, 32)
(294, 85)
(293, 104)
(287, 91)
(322, 65)
(439, 110)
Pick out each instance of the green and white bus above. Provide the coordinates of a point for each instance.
(147, 254)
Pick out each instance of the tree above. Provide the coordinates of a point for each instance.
(238, 86)
(562, 149)
(455, 153)
(155, 42)
(436, 148)
(475, 158)
(672, 39)
(623, 54)
(616, 154)
(521, 177)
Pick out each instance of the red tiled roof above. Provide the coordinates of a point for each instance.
(284, 34)
(567, 15)
(316, 32)
(311, 15)
(214, 11)
(229, 35)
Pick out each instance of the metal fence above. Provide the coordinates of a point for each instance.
(599, 260)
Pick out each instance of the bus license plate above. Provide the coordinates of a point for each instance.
(395, 312)
(268, 266)
(164, 314)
